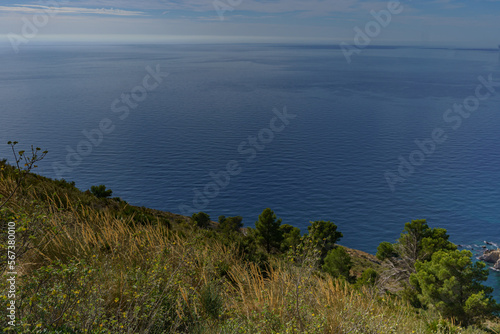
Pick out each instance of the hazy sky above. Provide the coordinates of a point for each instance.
(455, 22)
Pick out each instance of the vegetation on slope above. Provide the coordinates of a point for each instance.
(89, 264)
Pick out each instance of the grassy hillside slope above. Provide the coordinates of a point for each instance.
(89, 265)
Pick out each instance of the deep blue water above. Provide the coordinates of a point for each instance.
(353, 123)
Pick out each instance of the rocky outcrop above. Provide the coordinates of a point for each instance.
(490, 256)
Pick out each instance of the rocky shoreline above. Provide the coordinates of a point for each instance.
(489, 253)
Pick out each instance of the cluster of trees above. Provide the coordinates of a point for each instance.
(428, 269)
(273, 237)
(434, 274)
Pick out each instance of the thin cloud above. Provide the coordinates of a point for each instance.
(33, 9)
(263, 6)
(266, 6)
(448, 4)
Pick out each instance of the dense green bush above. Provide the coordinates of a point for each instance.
(368, 278)
(338, 263)
(229, 225)
(291, 237)
(100, 191)
(201, 219)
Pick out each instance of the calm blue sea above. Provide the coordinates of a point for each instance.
(353, 124)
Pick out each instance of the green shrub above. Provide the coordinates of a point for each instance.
(338, 263)
(442, 326)
(201, 219)
(291, 237)
(385, 250)
(212, 301)
(368, 278)
(229, 225)
(100, 191)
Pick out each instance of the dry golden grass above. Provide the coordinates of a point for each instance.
(94, 270)
(330, 305)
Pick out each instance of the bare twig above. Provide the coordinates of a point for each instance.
(29, 164)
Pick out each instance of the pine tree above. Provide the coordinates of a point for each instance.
(268, 230)
(451, 283)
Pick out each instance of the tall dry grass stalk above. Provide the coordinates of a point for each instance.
(332, 305)
(131, 278)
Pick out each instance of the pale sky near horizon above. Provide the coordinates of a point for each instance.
(473, 23)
